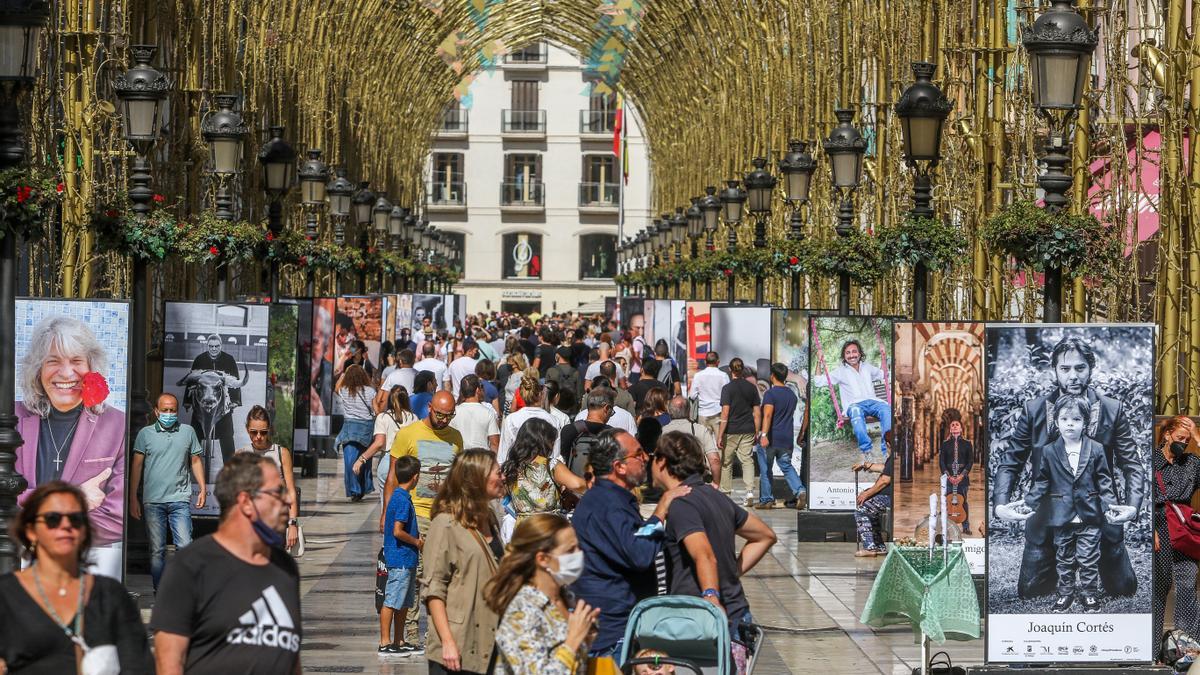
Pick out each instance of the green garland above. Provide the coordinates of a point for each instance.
(930, 241)
(859, 255)
(152, 238)
(1080, 245)
(29, 198)
(207, 239)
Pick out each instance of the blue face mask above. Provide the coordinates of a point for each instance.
(168, 420)
(269, 535)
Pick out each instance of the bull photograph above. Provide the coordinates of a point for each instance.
(850, 415)
(72, 399)
(1069, 537)
(215, 361)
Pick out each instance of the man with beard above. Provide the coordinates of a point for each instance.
(1072, 361)
(215, 358)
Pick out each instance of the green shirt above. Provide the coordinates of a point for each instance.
(165, 472)
(436, 450)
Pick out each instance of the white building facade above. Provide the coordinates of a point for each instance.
(526, 178)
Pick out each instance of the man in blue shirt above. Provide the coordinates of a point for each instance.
(618, 565)
(776, 440)
(165, 450)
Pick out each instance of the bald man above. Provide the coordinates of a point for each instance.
(434, 443)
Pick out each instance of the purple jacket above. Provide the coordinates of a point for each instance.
(99, 444)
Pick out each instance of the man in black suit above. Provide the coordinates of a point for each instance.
(1072, 360)
(215, 358)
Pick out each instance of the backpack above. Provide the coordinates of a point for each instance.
(666, 375)
(579, 455)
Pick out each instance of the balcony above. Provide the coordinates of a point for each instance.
(446, 197)
(522, 197)
(597, 125)
(599, 197)
(524, 124)
(454, 123)
(533, 57)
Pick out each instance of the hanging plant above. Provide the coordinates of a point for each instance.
(150, 239)
(791, 256)
(858, 255)
(288, 247)
(1079, 244)
(933, 242)
(206, 238)
(30, 195)
(341, 259)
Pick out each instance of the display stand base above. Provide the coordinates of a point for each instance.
(1021, 669)
(825, 526)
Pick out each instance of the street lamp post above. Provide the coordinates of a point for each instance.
(664, 250)
(797, 167)
(20, 29)
(314, 176)
(340, 194)
(1060, 45)
(141, 91)
(922, 110)
(381, 214)
(362, 205)
(695, 228)
(760, 185)
(223, 130)
(278, 162)
(733, 198)
(845, 147)
(396, 222)
(710, 211)
(679, 230)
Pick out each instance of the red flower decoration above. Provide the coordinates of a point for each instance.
(270, 236)
(793, 260)
(362, 265)
(371, 250)
(214, 250)
(158, 199)
(112, 213)
(59, 188)
(728, 273)
(95, 389)
(23, 193)
(304, 260)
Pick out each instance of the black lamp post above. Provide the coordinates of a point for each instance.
(20, 28)
(340, 193)
(922, 110)
(639, 258)
(141, 90)
(710, 210)
(760, 185)
(664, 248)
(733, 198)
(622, 264)
(224, 130)
(396, 222)
(845, 147)
(695, 228)
(314, 176)
(679, 232)
(278, 162)
(381, 213)
(1060, 45)
(797, 167)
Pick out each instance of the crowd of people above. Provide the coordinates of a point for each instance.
(538, 477)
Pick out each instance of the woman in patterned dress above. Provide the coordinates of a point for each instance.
(533, 473)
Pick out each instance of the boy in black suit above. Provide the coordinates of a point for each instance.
(1074, 488)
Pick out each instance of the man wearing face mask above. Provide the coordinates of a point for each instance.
(234, 595)
(162, 455)
(1072, 361)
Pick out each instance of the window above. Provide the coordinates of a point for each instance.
(458, 240)
(533, 53)
(524, 115)
(454, 119)
(597, 256)
(600, 185)
(522, 255)
(522, 179)
(600, 116)
(447, 186)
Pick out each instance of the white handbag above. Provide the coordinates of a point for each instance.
(297, 551)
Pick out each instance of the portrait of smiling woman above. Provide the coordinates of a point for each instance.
(70, 430)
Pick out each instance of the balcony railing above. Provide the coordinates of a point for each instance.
(447, 194)
(523, 121)
(531, 55)
(597, 121)
(520, 193)
(454, 121)
(599, 195)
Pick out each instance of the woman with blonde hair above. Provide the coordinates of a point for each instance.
(355, 393)
(461, 553)
(538, 633)
(531, 393)
(517, 365)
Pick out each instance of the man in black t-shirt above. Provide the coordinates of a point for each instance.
(599, 402)
(702, 556)
(230, 602)
(741, 421)
(648, 381)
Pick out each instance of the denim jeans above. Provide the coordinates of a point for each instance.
(158, 516)
(766, 459)
(858, 414)
(356, 437)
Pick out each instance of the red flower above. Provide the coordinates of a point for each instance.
(728, 272)
(270, 236)
(371, 250)
(304, 261)
(112, 213)
(793, 260)
(23, 193)
(158, 199)
(59, 188)
(214, 250)
(362, 265)
(95, 389)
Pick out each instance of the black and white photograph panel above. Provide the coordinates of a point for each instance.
(1069, 538)
(215, 361)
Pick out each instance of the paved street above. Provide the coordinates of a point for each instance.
(807, 596)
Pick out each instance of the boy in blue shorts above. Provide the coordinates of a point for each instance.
(401, 550)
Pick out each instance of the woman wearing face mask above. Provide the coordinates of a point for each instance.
(538, 633)
(1176, 477)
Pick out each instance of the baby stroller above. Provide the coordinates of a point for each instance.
(691, 630)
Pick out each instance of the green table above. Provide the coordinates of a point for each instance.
(936, 598)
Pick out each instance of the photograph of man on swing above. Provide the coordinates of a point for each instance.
(850, 372)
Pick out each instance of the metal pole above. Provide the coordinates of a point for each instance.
(922, 208)
(275, 226)
(12, 484)
(844, 227)
(1055, 182)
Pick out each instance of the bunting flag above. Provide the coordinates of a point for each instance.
(621, 138)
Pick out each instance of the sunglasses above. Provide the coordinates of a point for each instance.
(258, 432)
(278, 493)
(441, 415)
(53, 519)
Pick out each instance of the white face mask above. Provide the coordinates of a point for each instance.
(570, 566)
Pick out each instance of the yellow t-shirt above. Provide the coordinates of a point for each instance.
(435, 449)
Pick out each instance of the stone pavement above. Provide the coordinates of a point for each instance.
(807, 596)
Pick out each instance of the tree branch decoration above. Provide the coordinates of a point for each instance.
(1080, 244)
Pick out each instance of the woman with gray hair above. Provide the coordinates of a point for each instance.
(69, 433)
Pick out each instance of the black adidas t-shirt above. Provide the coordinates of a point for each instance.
(240, 618)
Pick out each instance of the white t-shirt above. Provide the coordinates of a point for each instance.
(593, 370)
(856, 385)
(561, 419)
(706, 387)
(476, 422)
(403, 377)
(512, 424)
(621, 419)
(435, 366)
(460, 368)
